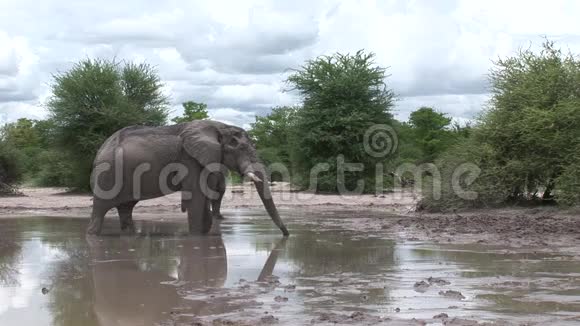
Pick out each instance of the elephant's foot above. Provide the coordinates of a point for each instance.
(128, 230)
(94, 227)
(204, 230)
(215, 232)
(196, 228)
(215, 228)
(207, 223)
(184, 205)
(127, 225)
(217, 216)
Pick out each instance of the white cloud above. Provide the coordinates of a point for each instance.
(148, 27)
(233, 116)
(254, 95)
(12, 111)
(18, 65)
(464, 106)
(234, 55)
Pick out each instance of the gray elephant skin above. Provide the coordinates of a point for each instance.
(138, 163)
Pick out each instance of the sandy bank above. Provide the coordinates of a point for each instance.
(56, 201)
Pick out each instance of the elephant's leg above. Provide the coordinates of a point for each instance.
(125, 211)
(100, 209)
(207, 218)
(220, 188)
(198, 214)
(216, 207)
(197, 204)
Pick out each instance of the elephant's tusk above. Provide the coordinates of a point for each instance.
(253, 177)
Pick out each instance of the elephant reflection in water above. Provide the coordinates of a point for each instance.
(130, 290)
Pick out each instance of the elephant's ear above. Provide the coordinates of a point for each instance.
(203, 144)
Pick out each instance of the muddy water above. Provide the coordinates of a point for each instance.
(51, 274)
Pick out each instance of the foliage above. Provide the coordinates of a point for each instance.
(192, 111)
(234, 178)
(271, 135)
(534, 122)
(431, 133)
(408, 150)
(30, 138)
(93, 100)
(421, 141)
(426, 120)
(10, 168)
(55, 170)
(567, 183)
(343, 96)
(22, 133)
(527, 141)
(466, 179)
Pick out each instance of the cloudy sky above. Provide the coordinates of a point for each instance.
(234, 55)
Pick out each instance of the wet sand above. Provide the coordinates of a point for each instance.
(50, 273)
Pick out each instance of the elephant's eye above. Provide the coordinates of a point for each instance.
(233, 142)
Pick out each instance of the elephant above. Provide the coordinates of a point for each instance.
(140, 162)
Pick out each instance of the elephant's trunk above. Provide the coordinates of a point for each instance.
(263, 188)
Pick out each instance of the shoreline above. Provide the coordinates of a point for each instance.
(392, 214)
(56, 201)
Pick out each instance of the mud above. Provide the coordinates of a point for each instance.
(421, 286)
(452, 294)
(538, 229)
(347, 267)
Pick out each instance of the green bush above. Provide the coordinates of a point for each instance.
(28, 137)
(234, 178)
(343, 97)
(526, 144)
(271, 135)
(10, 168)
(92, 101)
(568, 183)
(453, 186)
(192, 111)
(56, 170)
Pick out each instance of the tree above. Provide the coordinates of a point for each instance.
(343, 96)
(96, 98)
(526, 143)
(271, 135)
(21, 133)
(40, 162)
(29, 138)
(426, 120)
(408, 149)
(192, 111)
(429, 128)
(10, 168)
(534, 121)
